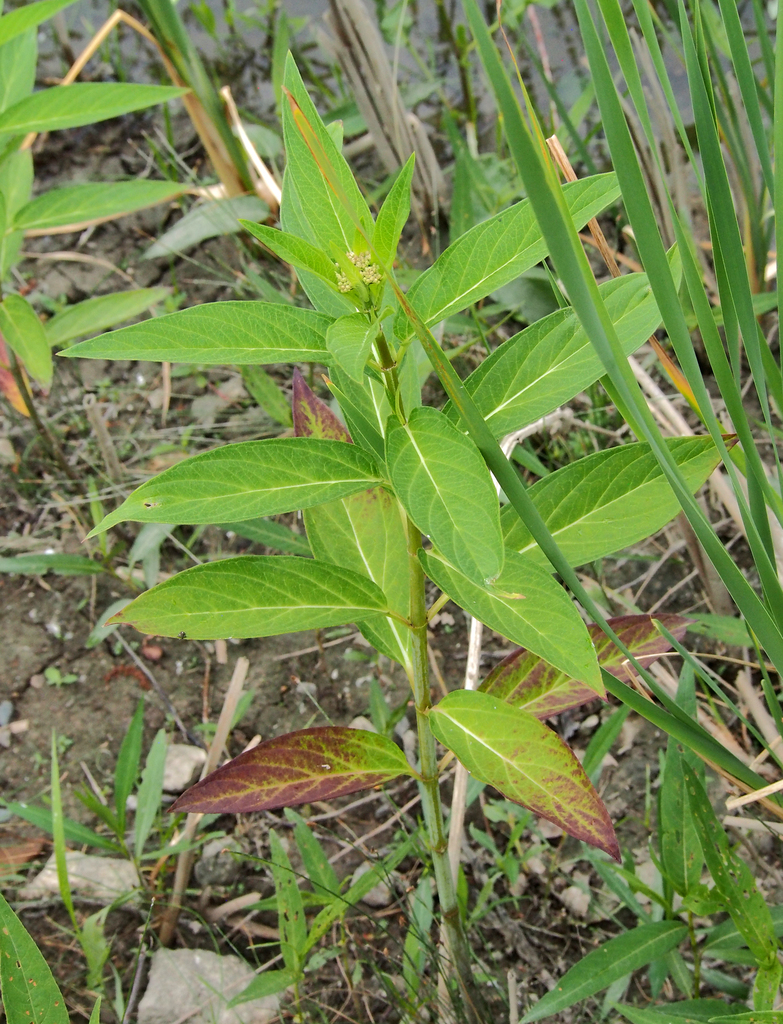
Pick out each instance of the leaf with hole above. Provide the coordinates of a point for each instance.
(732, 876)
(495, 252)
(528, 682)
(297, 768)
(97, 314)
(249, 479)
(78, 206)
(251, 596)
(71, 106)
(444, 485)
(525, 761)
(608, 500)
(29, 990)
(244, 333)
(526, 605)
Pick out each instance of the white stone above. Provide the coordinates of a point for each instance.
(380, 895)
(182, 763)
(576, 900)
(360, 722)
(197, 984)
(98, 878)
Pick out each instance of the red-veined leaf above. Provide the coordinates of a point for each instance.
(525, 761)
(312, 416)
(298, 768)
(528, 682)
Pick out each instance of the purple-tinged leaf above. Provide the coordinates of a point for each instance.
(532, 684)
(313, 417)
(525, 761)
(298, 768)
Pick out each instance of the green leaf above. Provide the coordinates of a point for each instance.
(62, 565)
(365, 408)
(614, 959)
(680, 850)
(208, 220)
(726, 936)
(100, 630)
(127, 767)
(526, 605)
(149, 792)
(349, 340)
(95, 1016)
(27, 17)
(358, 891)
(733, 878)
(267, 394)
(71, 106)
(322, 875)
(753, 1017)
(525, 761)
(16, 180)
(444, 485)
(365, 532)
(24, 333)
(80, 205)
(608, 500)
(549, 362)
(766, 986)
(272, 535)
(18, 60)
(267, 984)
(97, 314)
(290, 909)
(725, 628)
(644, 1015)
(495, 252)
(297, 251)
(254, 595)
(216, 333)
(322, 212)
(530, 683)
(252, 478)
(298, 768)
(29, 990)
(393, 215)
(76, 833)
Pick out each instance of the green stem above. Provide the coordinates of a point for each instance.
(430, 789)
(696, 957)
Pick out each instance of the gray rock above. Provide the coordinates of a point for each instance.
(218, 864)
(182, 763)
(97, 878)
(380, 895)
(197, 984)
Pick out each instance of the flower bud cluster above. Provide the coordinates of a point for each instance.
(369, 272)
